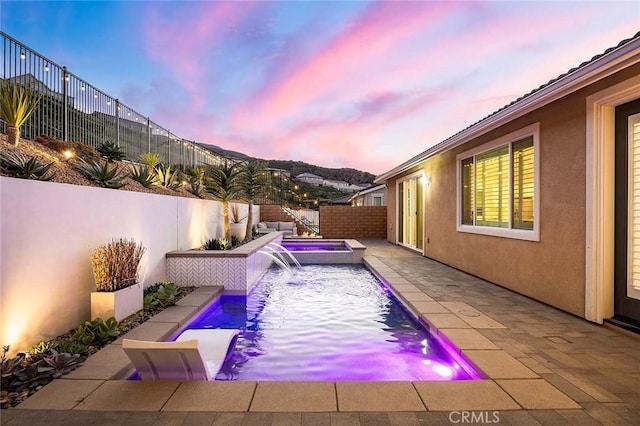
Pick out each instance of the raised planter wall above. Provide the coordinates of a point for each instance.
(237, 270)
(119, 304)
(49, 230)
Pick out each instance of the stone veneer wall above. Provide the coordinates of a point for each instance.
(236, 270)
(359, 222)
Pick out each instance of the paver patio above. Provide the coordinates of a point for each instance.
(543, 366)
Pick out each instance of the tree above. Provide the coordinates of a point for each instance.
(223, 184)
(252, 186)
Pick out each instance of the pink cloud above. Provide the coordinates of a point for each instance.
(182, 43)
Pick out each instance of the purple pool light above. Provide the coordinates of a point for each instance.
(327, 323)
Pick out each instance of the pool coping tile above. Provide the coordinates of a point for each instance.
(498, 364)
(465, 395)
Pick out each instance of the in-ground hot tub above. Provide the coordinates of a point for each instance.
(320, 251)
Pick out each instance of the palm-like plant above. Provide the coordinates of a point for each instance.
(17, 103)
(224, 185)
(252, 186)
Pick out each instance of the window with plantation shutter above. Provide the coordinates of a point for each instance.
(522, 160)
(498, 187)
(633, 248)
(492, 188)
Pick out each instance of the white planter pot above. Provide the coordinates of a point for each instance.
(238, 230)
(119, 304)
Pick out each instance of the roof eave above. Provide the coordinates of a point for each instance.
(604, 66)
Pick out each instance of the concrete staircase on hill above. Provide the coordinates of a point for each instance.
(273, 213)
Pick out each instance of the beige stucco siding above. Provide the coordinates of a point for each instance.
(552, 269)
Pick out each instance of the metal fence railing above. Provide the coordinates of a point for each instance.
(70, 109)
(308, 217)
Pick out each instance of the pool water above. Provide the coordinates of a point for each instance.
(327, 323)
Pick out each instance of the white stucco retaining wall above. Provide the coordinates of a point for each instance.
(48, 231)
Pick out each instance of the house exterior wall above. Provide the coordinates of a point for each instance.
(353, 222)
(552, 269)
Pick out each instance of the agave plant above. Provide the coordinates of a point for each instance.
(150, 160)
(143, 175)
(167, 178)
(217, 244)
(17, 103)
(19, 165)
(108, 177)
(61, 363)
(196, 182)
(111, 151)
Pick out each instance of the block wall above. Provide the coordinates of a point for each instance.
(363, 222)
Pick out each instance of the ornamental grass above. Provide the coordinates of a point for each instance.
(115, 265)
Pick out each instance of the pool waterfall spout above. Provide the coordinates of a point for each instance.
(277, 259)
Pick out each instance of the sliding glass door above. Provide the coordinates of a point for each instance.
(411, 212)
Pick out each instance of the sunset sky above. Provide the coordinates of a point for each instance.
(338, 84)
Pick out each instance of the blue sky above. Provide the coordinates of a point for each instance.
(339, 84)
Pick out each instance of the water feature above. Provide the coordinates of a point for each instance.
(277, 258)
(327, 323)
(279, 248)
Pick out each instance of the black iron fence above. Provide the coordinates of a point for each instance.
(71, 109)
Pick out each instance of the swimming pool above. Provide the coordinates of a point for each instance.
(317, 245)
(327, 323)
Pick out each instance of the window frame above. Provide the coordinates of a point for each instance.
(532, 130)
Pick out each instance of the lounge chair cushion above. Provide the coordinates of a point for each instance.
(286, 226)
(195, 355)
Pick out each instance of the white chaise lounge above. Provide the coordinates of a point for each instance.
(195, 355)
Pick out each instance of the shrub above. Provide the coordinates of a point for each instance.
(108, 177)
(30, 372)
(143, 176)
(217, 244)
(163, 295)
(167, 178)
(115, 265)
(71, 347)
(111, 151)
(97, 331)
(20, 166)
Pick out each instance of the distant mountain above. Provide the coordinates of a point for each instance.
(344, 174)
(225, 152)
(299, 167)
